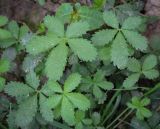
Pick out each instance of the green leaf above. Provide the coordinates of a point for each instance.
(105, 53)
(27, 110)
(99, 76)
(151, 74)
(39, 44)
(77, 29)
(17, 89)
(79, 101)
(11, 119)
(91, 15)
(105, 85)
(72, 82)
(45, 110)
(138, 41)
(5, 34)
(111, 19)
(96, 117)
(97, 92)
(4, 65)
(131, 80)
(139, 115)
(136, 101)
(134, 65)
(53, 101)
(3, 20)
(79, 116)
(83, 49)
(32, 80)
(99, 3)
(51, 87)
(56, 62)
(79, 125)
(2, 83)
(149, 63)
(145, 112)
(103, 37)
(23, 31)
(119, 52)
(132, 23)
(7, 42)
(14, 29)
(54, 25)
(67, 111)
(41, 2)
(64, 12)
(145, 101)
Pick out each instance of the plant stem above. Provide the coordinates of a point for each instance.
(109, 105)
(152, 90)
(117, 117)
(123, 119)
(114, 108)
(135, 88)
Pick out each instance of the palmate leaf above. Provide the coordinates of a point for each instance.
(111, 19)
(79, 101)
(56, 62)
(27, 110)
(119, 51)
(131, 80)
(149, 62)
(39, 44)
(81, 13)
(76, 29)
(103, 37)
(67, 111)
(83, 49)
(72, 82)
(138, 104)
(32, 80)
(132, 23)
(17, 89)
(54, 25)
(138, 41)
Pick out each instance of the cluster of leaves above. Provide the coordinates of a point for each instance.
(75, 69)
